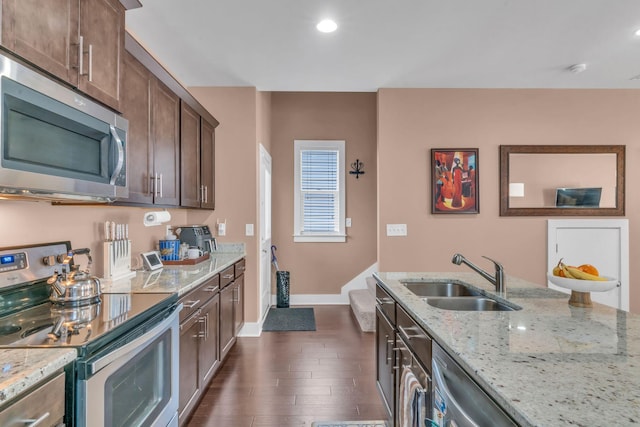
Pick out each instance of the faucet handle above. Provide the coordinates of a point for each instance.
(497, 264)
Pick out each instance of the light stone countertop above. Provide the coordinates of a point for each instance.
(549, 364)
(175, 278)
(24, 368)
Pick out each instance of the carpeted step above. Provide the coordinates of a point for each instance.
(363, 305)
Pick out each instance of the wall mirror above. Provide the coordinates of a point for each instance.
(562, 180)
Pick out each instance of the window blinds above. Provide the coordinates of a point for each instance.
(319, 189)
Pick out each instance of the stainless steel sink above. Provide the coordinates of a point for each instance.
(470, 304)
(440, 289)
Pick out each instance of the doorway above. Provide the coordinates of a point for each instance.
(265, 232)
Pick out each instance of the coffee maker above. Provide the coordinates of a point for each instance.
(198, 236)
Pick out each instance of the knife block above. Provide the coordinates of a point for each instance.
(117, 260)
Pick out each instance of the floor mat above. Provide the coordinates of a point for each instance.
(348, 424)
(290, 319)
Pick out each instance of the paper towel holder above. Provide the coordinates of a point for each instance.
(156, 218)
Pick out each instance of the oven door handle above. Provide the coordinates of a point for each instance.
(137, 345)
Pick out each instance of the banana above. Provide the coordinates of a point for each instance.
(579, 274)
(566, 272)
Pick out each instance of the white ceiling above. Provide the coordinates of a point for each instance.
(274, 46)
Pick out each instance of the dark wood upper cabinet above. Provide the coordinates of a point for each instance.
(197, 165)
(165, 131)
(153, 112)
(102, 32)
(44, 33)
(190, 189)
(136, 105)
(207, 163)
(79, 41)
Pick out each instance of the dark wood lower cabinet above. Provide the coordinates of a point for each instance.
(189, 383)
(209, 355)
(227, 326)
(209, 324)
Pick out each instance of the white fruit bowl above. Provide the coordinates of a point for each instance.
(584, 285)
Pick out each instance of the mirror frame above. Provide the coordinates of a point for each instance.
(505, 150)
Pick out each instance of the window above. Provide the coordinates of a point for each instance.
(319, 199)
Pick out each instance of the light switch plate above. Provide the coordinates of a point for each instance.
(248, 229)
(222, 229)
(347, 222)
(396, 229)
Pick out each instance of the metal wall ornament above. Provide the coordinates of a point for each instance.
(357, 168)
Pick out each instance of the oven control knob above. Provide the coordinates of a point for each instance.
(49, 260)
(61, 258)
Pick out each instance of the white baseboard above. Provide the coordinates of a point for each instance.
(358, 282)
(252, 329)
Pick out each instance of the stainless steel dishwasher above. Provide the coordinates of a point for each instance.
(457, 400)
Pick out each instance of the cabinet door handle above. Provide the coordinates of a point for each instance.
(211, 288)
(206, 194)
(37, 421)
(228, 276)
(80, 55)
(161, 186)
(90, 62)
(191, 304)
(155, 184)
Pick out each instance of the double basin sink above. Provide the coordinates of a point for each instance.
(454, 295)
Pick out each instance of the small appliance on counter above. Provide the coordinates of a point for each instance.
(197, 236)
(117, 251)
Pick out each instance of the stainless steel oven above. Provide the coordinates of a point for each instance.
(126, 372)
(134, 383)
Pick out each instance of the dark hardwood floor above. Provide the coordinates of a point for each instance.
(294, 378)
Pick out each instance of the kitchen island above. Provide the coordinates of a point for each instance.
(548, 364)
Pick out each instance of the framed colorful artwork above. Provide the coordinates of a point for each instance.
(454, 188)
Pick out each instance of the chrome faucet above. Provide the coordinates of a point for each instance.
(497, 280)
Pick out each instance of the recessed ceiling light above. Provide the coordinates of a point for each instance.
(638, 32)
(577, 68)
(327, 26)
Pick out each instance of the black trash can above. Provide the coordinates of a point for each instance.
(282, 290)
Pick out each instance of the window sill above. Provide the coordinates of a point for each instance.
(333, 238)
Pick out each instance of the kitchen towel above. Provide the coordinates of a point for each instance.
(410, 388)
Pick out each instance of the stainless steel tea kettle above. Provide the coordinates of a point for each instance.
(73, 285)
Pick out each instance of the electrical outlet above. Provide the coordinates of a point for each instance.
(222, 228)
(396, 229)
(248, 229)
(347, 222)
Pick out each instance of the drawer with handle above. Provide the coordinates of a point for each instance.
(197, 297)
(226, 276)
(43, 407)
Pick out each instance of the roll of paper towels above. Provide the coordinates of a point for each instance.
(156, 218)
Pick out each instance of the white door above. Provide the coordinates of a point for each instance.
(265, 231)
(603, 243)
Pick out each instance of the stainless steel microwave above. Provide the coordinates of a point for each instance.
(56, 144)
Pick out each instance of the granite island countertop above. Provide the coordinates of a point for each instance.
(24, 368)
(178, 279)
(549, 364)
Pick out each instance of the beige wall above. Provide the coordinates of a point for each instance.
(236, 175)
(24, 222)
(411, 122)
(323, 268)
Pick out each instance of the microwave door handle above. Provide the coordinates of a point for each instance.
(120, 148)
